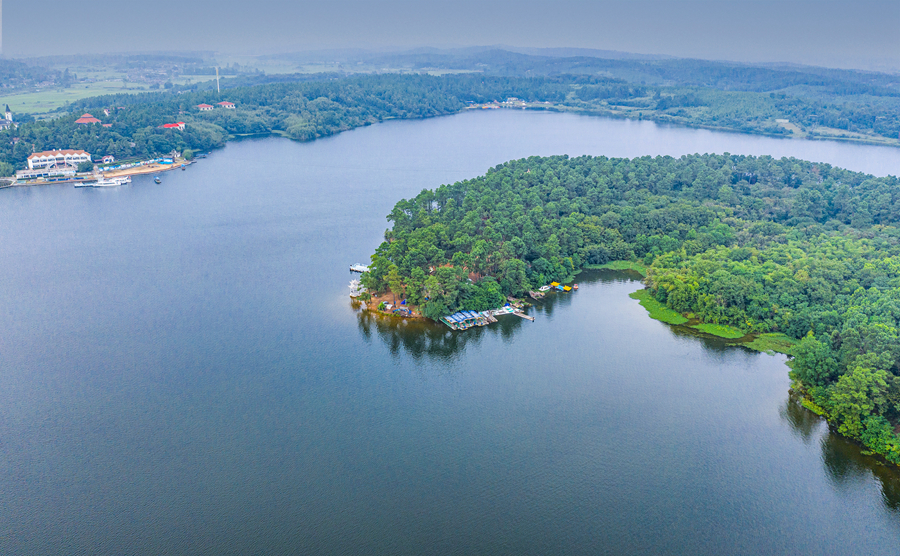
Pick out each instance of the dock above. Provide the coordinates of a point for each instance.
(463, 320)
(523, 315)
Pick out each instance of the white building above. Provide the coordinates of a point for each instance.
(50, 159)
(56, 171)
(7, 121)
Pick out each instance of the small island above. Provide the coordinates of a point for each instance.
(786, 255)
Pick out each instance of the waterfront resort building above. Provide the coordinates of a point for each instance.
(87, 119)
(57, 159)
(108, 159)
(226, 104)
(205, 107)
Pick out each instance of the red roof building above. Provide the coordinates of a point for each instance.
(179, 125)
(57, 158)
(87, 119)
(226, 104)
(205, 107)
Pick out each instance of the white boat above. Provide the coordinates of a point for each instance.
(106, 182)
(112, 182)
(359, 268)
(544, 288)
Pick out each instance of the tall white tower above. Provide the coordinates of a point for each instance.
(8, 111)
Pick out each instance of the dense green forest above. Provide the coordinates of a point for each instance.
(301, 111)
(811, 103)
(759, 244)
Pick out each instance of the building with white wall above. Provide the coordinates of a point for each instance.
(59, 158)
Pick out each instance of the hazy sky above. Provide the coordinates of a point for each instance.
(858, 33)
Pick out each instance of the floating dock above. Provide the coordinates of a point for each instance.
(359, 268)
(464, 320)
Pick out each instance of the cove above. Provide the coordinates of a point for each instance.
(181, 371)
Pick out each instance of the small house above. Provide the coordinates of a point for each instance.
(205, 107)
(226, 104)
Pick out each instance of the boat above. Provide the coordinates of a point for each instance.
(544, 288)
(359, 268)
(574, 286)
(106, 182)
(157, 180)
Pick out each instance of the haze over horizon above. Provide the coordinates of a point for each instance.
(859, 35)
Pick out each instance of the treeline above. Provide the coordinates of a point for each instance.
(324, 105)
(19, 75)
(302, 111)
(760, 244)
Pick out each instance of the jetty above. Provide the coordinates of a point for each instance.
(464, 320)
(359, 268)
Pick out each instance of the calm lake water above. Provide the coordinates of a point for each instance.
(181, 371)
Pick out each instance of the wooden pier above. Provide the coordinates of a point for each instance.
(523, 315)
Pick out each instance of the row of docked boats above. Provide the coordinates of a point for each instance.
(552, 286)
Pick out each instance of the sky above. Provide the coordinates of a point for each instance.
(861, 34)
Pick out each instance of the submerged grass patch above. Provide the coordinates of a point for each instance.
(779, 343)
(720, 330)
(656, 309)
(620, 265)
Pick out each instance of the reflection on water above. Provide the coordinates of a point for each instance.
(845, 462)
(420, 338)
(804, 423)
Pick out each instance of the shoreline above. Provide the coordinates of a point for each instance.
(768, 343)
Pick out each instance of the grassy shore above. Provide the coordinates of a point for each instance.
(766, 343)
(656, 309)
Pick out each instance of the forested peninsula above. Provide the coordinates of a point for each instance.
(848, 105)
(762, 245)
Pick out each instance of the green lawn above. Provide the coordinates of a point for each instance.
(720, 330)
(656, 309)
(43, 101)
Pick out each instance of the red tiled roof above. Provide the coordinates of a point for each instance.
(56, 153)
(170, 126)
(226, 103)
(87, 119)
(204, 106)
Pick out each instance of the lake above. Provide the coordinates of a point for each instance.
(181, 371)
